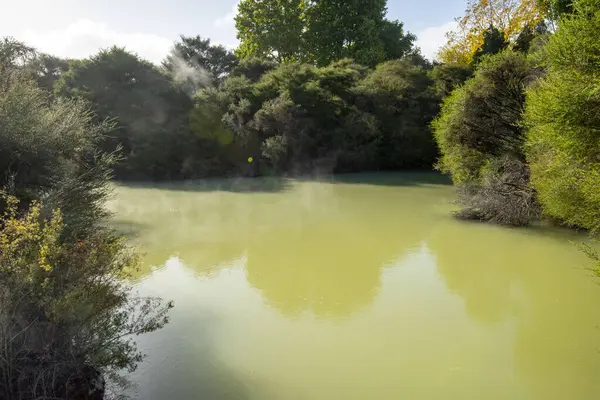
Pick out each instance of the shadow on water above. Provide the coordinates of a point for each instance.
(406, 178)
(185, 360)
(234, 185)
(128, 229)
(279, 184)
(202, 376)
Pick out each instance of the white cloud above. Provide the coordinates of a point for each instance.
(227, 20)
(83, 38)
(226, 26)
(431, 39)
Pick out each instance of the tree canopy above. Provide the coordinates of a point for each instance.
(148, 110)
(195, 63)
(507, 16)
(342, 117)
(320, 31)
(493, 42)
(271, 29)
(556, 8)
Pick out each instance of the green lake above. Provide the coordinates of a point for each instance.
(358, 287)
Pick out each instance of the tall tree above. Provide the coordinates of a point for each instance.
(401, 95)
(396, 42)
(532, 38)
(146, 107)
(508, 16)
(195, 62)
(346, 28)
(271, 29)
(14, 55)
(47, 69)
(320, 31)
(493, 42)
(448, 77)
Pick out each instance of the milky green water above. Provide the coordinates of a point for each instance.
(360, 288)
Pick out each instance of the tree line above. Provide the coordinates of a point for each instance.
(511, 111)
(312, 86)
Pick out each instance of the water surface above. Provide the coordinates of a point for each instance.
(358, 288)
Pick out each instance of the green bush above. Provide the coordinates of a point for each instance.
(563, 121)
(448, 77)
(48, 150)
(65, 304)
(480, 137)
(339, 118)
(401, 97)
(65, 307)
(148, 111)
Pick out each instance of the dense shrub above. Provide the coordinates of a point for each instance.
(149, 113)
(448, 77)
(253, 68)
(65, 305)
(480, 137)
(501, 195)
(65, 309)
(343, 117)
(563, 121)
(48, 149)
(401, 96)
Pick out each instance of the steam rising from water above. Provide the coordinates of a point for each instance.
(189, 74)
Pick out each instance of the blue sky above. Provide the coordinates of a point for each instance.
(78, 28)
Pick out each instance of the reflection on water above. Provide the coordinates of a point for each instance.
(540, 282)
(361, 288)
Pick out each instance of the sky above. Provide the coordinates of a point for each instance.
(79, 28)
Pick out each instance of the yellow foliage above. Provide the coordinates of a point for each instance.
(29, 237)
(509, 16)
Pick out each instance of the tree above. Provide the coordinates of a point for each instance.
(149, 111)
(557, 8)
(531, 38)
(14, 55)
(271, 29)
(48, 149)
(562, 121)
(194, 62)
(253, 68)
(47, 69)
(396, 43)
(18, 58)
(358, 30)
(320, 32)
(493, 43)
(480, 137)
(339, 29)
(508, 16)
(401, 95)
(343, 117)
